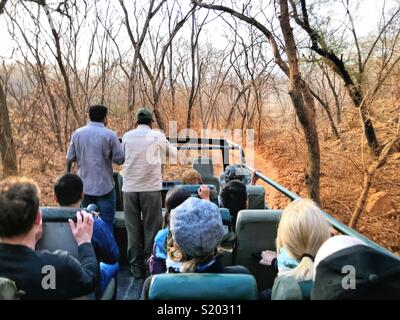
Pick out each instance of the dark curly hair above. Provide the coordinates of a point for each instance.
(19, 206)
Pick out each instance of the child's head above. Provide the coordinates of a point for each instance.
(191, 176)
(302, 230)
(234, 197)
(174, 198)
(197, 230)
(68, 190)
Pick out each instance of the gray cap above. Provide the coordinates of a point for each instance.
(196, 227)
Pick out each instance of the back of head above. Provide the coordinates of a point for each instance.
(144, 116)
(68, 189)
(355, 271)
(301, 231)
(191, 176)
(196, 227)
(97, 113)
(19, 206)
(174, 198)
(234, 197)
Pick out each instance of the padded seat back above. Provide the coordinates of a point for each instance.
(212, 181)
(203, 286)
(204, 166)
(256, 196)
(193, 188)
(256, 231)
(57, 234)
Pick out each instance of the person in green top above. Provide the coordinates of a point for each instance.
(301, 232)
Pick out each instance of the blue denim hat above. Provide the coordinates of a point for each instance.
(196, 227)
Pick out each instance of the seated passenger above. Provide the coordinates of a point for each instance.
(42, 275)
(347, 269)
(191, 176)
(301, 232)
(68, 192)
(174, 198)
(233, 196)
(196, 231)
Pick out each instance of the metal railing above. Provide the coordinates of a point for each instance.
(225, 146)
(337, 225)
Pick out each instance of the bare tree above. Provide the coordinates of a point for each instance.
(300, 95)
(353, 81)
(59, 55)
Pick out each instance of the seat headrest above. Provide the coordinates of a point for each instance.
(256, 196)
(203, 286)
(204, 166)
(193, 188)
(257, 216)
(58, 214)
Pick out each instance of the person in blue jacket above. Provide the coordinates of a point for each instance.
(68, 192)
(174, 198)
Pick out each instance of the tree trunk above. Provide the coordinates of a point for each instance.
(368, 179)
(61, 66)
(303, 103)
(7, 146)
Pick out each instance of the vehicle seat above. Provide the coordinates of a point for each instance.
(256, 196)
(57, 235)
(203, 286)
(193, 190)
(256, 231)
(9, 290)
(205, 167)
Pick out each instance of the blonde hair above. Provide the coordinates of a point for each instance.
(301, 232)
(191, 176)
(189, 264)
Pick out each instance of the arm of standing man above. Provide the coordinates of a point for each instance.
(117, 151)
(168, 149)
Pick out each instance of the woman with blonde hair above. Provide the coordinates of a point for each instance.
(301, 232)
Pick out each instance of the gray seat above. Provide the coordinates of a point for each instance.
(57, 235)
(256, 196)
(256, 231)
(204, 166)
(203, 286)
(206, 169)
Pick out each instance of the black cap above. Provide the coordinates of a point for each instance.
(376, 275)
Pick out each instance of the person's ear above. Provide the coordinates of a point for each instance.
(82, 195)
(55, 198)
(38, 220)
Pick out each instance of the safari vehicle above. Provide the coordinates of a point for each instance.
(256, 230)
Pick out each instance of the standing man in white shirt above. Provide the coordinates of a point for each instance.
(145, 149)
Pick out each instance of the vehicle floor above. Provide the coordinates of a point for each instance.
(128, 287)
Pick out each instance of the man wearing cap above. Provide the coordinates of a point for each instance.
(145, 149)
(94, 148)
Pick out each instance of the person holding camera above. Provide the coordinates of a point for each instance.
(42, 275)
(68, 192)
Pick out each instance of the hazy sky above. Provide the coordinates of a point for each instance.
(366, 18)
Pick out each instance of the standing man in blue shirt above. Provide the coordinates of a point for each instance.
(94, 147)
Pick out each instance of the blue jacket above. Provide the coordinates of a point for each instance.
(103, 242)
